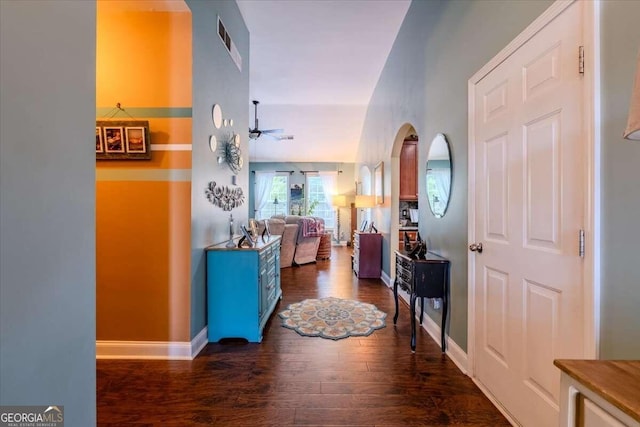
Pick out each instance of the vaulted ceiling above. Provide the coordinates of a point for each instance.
(313, 66)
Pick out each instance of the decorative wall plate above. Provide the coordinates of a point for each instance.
(213, 143)
(216, 115)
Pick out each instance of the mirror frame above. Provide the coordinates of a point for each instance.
(448, 145)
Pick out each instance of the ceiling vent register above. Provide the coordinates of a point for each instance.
(229, 45)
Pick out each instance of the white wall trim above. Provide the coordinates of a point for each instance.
(164, 350)
(171, 147)
(199, 342)
(385, 278)
(455, 353)
(497, 404)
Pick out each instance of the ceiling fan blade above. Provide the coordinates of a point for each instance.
(272, 131)
(279, 137)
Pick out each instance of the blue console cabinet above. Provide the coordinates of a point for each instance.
(243, 288)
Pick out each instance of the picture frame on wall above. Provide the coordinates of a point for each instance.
(122, 140)
(99, 141)
(113, 139)
(135, 140)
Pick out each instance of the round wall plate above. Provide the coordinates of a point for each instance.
(213, 143)
(225, 123)
(236, 139)
(230, 122)
(216, 115)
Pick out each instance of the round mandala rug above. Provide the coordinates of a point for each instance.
(333, 318)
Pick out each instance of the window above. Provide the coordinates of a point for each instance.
(317, 203)
(279, 193)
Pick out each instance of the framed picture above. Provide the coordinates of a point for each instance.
(253, 229)
(266, 230)
(378, 177)
(113, 138)
(122, 140)
(296, 199)
(363, 225)
(134, 138)
(99, 142)
(246, 238)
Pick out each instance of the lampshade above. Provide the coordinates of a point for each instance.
(633, 124)
(363, 201)
(339, 200)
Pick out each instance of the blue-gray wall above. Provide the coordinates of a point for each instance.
(441, 44)
(216, 80)
(620, 289)
(47, 206)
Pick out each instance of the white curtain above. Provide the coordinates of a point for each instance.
(264, 183)
(329, 181)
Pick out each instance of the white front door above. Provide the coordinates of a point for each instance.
(529, 152)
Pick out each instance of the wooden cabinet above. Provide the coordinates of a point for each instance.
(599, 393)
(413, 238)
(367, 255)
(243, 288)
(409, 171)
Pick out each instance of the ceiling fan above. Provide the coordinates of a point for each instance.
(256, 133)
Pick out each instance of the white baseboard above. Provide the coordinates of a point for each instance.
(165, 350)
(199, 342)
(495, 402)
(385, 278)
(455, 353)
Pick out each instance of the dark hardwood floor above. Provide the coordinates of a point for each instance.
(293, 380)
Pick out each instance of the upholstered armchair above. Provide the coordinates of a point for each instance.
(288, 234)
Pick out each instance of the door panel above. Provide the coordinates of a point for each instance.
(529, 207)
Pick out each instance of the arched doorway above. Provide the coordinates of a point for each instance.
(404, 168)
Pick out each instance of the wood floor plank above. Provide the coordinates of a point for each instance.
(291, 380)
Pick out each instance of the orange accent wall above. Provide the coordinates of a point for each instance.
(143, 228)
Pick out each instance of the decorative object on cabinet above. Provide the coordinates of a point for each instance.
(224, 197)
(378, 175)
(246, 239)
(122, 140)
(439, 175)
(367, 255)
(633, 122)
(230, 242)
(216, 115)
(427, 277)
(363, 225)
(240, 303)
(409, 169)
(333, 318)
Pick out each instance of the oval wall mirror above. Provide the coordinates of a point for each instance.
(216, 115)
(439, 175)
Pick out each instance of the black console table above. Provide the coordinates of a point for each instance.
(422, 278)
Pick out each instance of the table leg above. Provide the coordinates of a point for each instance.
(412, 305)
(445, 307)
(395, 297)
(421, 309)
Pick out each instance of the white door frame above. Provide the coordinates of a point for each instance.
(591, 119)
